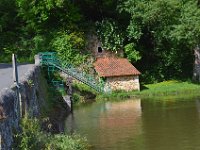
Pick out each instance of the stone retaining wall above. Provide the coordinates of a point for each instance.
(32, 91)
(9, 119)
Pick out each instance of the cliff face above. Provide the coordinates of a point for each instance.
(32, 94)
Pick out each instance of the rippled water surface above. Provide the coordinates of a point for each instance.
(139, 125)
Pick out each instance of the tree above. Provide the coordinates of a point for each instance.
(131, 53)
(166, 32)
(41, 20)
(42, 15)
(68, 47)
(97, 10)
(110, 35)
(8, 26)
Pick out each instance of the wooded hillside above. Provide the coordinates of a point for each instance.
(157, 36)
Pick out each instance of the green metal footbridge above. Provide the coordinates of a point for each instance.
(50, 60)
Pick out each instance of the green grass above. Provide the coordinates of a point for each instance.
(115, 96)
(83, 88)
(82, 93)
(164, 90)
(171, 87)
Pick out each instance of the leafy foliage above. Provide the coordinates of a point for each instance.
(157, 35)
(28, 27)
(68, 45)
(131, 53)
(82, 93)
(32, 138)
(64, 142)
(166, 32)
(40, 15)
(110, 35)
(96, 10)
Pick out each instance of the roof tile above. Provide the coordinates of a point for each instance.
(111, 66)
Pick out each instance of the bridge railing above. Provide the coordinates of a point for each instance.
(50, 59)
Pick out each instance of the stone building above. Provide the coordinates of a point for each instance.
(119, 73)
(94, 45)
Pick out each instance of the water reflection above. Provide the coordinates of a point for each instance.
(71, 124)
(170, 125)
(110, 123)
(139, 125)
(118, 122)
(198, 106)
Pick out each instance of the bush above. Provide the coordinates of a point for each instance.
(65, 142)
(32, 138)
(76, 98)
(84, 88)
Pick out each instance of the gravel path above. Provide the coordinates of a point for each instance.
(6, 74)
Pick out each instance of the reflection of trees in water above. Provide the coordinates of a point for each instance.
(110, 124)
(198, 106)
(170, 125)
(71, 124)
(120, 123)
(54, 125)
(59, 123)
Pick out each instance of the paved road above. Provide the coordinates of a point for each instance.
(6, 74)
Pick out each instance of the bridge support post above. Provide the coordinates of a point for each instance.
(37, 60)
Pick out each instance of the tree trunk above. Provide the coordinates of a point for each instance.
(196, 70)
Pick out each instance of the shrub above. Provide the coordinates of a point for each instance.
(65, 142)
(76, 98)
(32, 138)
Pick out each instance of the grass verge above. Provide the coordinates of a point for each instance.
(82, 93)
(160, 91)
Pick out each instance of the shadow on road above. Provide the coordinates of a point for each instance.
(4, 66)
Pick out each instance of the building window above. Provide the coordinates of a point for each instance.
(100, 50)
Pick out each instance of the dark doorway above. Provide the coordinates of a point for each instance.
(100, 50)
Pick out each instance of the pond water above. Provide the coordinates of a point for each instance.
(138, 125)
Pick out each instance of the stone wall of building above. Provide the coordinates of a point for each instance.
(12, 108)
(127, 83)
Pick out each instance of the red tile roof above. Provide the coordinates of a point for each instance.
(110, 66)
